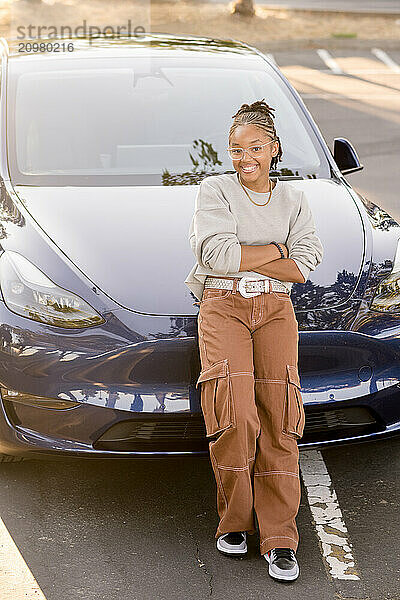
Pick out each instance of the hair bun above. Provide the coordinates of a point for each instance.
(257, 106)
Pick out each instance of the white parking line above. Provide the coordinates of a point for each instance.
(329, 61)
(16, 580)
(381, 54)
(331, 529)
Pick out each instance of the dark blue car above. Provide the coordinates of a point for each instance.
(102, 151)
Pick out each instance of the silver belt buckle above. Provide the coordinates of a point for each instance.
(242, 287)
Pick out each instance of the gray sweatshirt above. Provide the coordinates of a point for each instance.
(224, 218)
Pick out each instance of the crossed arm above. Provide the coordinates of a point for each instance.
(214, 241)
(267, 260)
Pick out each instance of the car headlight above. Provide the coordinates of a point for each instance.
(387, 293)
(27, 291)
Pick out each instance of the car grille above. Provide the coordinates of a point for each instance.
(157, 433)
(336, 423)
(184, 432)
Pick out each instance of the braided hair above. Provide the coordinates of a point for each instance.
(260, 114)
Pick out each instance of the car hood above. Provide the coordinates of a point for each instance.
(132, 242)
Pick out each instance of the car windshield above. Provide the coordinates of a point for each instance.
(140, 120)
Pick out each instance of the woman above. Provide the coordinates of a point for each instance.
(248, 338)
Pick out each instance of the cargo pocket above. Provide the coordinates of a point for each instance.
(216, 397)
(293, 413)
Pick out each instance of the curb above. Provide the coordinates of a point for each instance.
(328, 43)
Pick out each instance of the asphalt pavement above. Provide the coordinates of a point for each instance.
(145, 530)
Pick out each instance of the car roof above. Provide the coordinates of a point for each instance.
(124, 45)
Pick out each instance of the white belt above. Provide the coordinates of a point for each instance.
(247, 286)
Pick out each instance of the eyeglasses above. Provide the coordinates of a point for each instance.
(253, 151)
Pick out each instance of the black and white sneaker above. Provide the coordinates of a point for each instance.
(233, 544)
(282, 564)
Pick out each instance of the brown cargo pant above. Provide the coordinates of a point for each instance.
(253, 411)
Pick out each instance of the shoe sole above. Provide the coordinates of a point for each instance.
(233, 554)
(281, 577)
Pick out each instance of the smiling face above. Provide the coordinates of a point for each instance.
(253, 170)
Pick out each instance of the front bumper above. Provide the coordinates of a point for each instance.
(134, 379)
(90, 431)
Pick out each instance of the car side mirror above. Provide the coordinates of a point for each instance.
(345, 156)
